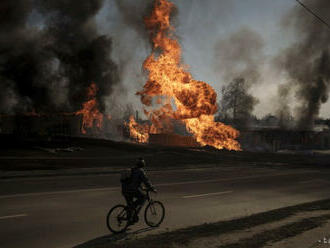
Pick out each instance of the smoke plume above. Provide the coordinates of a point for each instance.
(131, 33)
(283, 111)
(240, 55)
(132, 12)
(50, 51)
(307, 62)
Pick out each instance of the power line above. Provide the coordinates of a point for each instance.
(313, 13)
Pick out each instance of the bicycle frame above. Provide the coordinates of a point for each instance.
(149, 199)
(124, 216)
(148, 196)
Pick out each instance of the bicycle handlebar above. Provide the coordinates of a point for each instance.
(149, 190)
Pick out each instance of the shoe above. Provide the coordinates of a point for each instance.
(130, 215)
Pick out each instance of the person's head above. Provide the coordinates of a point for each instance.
(140, 163)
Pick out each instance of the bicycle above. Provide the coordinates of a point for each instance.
(118, 217)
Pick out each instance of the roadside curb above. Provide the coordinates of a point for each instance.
(86, 172)
(36, 174)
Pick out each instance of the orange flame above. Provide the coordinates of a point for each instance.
(180, 96)
(140, 133)
(90, 112)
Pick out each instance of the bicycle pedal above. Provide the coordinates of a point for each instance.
(136, 219)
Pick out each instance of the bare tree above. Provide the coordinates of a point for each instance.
(236, 104)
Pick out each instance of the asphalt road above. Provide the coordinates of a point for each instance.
(60, 212)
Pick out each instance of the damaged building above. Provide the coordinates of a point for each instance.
(278, 139)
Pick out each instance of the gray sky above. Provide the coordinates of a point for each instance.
(200, 25)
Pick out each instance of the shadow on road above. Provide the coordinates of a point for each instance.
(112, 238)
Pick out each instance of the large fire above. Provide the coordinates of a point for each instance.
(179, 96)
(90, 112)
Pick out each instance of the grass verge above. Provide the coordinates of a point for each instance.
(278, 234)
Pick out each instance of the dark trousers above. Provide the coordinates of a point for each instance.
(131, 195)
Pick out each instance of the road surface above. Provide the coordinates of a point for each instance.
(60, 212)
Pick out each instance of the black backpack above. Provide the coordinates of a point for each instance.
(126, 176)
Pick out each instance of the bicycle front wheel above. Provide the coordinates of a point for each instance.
(117, 219)
(154, 213)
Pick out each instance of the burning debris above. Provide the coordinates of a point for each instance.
(138, 132)
(90, 112)
(179, 96)
(64, 124)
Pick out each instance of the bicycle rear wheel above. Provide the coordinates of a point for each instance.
(117, 219)
(154, 213)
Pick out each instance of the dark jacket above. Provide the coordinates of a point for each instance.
(138, 176)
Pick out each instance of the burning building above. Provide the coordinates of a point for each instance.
(86, 121)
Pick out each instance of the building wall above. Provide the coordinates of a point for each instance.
(172, 140)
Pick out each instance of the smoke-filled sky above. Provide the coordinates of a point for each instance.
(221, 40)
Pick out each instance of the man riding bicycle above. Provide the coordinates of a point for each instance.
(131, 188)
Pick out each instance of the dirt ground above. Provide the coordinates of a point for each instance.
(86, 152)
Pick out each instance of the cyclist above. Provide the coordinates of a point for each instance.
(131, 188)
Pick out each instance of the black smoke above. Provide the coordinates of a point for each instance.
(50, 52)
(132, 13)
(307, 62)
(131, 31)
(283, 111)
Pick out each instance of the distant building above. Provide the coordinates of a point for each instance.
(279, 139)
(41, 125)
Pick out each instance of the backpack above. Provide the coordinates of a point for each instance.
(125, 176)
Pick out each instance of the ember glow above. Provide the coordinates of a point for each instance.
(90, 112)
(179, 96)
